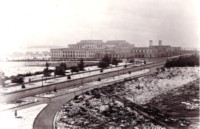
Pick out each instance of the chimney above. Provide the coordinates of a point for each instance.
(150, 43)
(160, 42)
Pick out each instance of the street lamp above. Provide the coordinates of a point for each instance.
(42, 81)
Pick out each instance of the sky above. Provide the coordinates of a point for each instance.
(27, 23)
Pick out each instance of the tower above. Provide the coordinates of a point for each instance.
(160, 42)
(150, 43)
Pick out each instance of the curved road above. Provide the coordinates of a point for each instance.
(45, 118)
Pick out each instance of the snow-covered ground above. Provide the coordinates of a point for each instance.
(145, 88)
(24, 120)
(17, 103)
(107, 109)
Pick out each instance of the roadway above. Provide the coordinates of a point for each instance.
(63, 82)
(45, 119)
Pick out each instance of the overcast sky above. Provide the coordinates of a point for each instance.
(62, 22)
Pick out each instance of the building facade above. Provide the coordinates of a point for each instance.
(96, 49)
(155, 51)
(93, 49)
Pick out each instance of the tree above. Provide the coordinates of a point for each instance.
(74, 69)
(114, 61)
(47, 65)
(145, 62)
(17, 79)
(63, 65)
(132, 60)
(59, 71)
(183, 61)
(46, 70)
(81, 65)
(105, 62)
(106, 59)
(102, 64)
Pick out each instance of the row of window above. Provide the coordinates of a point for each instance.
(141, 50)
(65, 52)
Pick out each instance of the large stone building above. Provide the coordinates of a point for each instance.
(93, 49)
(155, 51)
(96, 49)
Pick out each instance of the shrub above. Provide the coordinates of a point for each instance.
(183, 61)
(96, 93)
(125, 66)
(129, 72)
(120, 61)
(46, 72)
(28, 74)
(55, 90)
(103, 64)
(68, 77)
(115, 61)
(63, 66)
(76, 97)
(23, 86)
(88, 93)
(74, 69)
(17, 79)
(81, 65)
(101, 70)
(99, 79)
(59, 71)
(37, 73)
(131, 61)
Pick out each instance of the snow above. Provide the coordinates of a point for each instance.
(24, 120)
(140, 91)
(103, 108)
(162, 83)
(191, 105)
(17, 103)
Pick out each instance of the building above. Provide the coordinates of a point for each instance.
(96, 49)
(155, 51)
(93, 49)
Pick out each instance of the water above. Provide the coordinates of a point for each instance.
(14, 68)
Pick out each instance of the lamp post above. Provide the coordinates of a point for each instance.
(42, 81)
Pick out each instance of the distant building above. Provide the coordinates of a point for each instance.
(96, 49)
(155, 51)
(91, 49)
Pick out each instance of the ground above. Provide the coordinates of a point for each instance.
(181, 102)
(24, 119)
(132, 104)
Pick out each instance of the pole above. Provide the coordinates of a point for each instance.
(42, 81)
